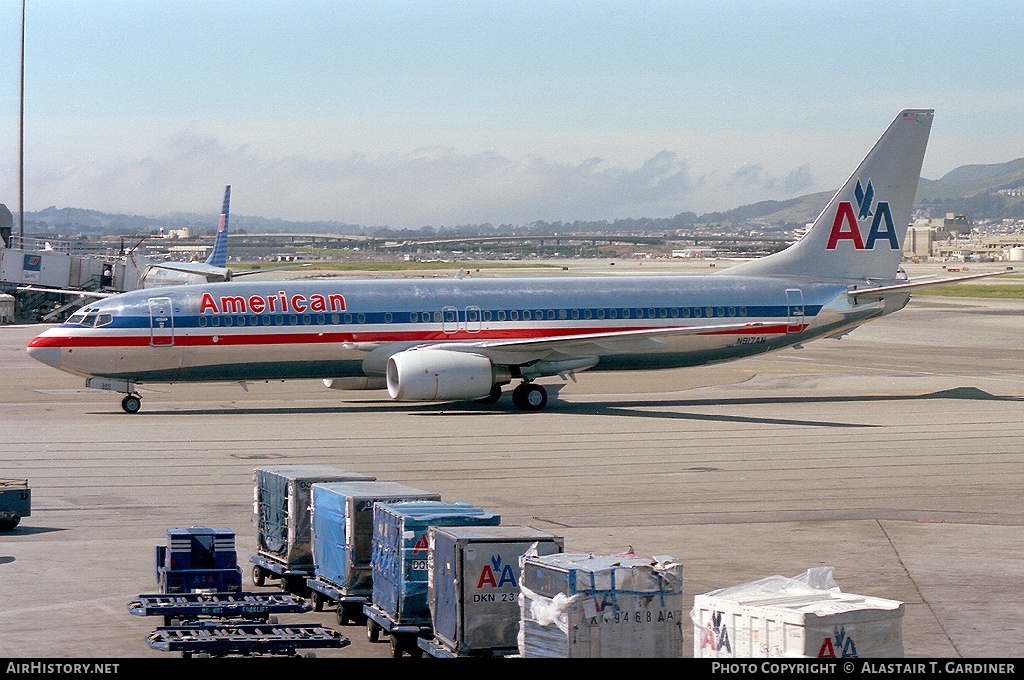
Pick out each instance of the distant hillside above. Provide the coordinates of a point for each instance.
(968, 190)
(970, 180)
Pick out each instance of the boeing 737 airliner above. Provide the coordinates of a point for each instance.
(464, 339)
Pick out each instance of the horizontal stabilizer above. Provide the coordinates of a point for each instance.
(918, 283)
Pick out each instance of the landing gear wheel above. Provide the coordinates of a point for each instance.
(131, 403)
(259, 579)
(491, 398)
(372, 630)
(529, 397)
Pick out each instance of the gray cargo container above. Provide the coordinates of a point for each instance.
(342, 529)
(473, 585)
(281, 510)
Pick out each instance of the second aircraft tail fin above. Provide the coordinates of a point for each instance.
(219, 255)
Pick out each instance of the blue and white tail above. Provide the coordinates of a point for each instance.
(219, 255)
(860, 234)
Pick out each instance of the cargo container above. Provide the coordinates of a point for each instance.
(399, 557)
(778, 617)
(473, 587)
(281, 501)
(581, 605)
(342, 538)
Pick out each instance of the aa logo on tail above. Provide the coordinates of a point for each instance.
(846, 225)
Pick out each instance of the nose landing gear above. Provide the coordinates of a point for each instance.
(131, 403)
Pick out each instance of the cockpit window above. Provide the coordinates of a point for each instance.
(76, 318)
(90, 319)
(104, 319)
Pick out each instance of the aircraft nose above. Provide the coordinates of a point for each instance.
(48, 355)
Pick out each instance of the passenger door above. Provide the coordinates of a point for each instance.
(161, 322)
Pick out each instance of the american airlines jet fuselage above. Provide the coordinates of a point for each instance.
(349, 329)
(465, 338)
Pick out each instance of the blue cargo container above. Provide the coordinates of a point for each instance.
(400, 551)
(342, 529)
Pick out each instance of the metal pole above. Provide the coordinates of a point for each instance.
(21, 138)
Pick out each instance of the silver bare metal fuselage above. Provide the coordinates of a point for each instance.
(348, 328)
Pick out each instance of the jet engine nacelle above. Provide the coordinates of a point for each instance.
(441, 375)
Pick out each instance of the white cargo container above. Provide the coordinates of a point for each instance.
(581, 605)
(785, 618)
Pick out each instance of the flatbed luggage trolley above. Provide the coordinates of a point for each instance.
(245, 638)
(191, 607)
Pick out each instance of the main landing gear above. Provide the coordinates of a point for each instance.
(529, 396)
(131, 403)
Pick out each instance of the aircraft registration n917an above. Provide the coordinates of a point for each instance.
(465, 338)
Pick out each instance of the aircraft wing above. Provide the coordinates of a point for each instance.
(68, 291)
(917, 283)
(561, 347)
(250, 272)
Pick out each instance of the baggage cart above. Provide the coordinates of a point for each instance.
(181, 607)
(281, 514)
(404, 636)
(400, 542)
(15, 502)
(245, 638)
(342, 538)
(473, 587)
(349, 608)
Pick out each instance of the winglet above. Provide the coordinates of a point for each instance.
(219, 255)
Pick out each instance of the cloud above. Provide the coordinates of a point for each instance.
(428, 186)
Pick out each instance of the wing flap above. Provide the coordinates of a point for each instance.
(525, 350)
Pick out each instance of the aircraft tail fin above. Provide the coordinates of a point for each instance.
(860, 233)
(219, 255)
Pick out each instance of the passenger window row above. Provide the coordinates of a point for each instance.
(473, 316)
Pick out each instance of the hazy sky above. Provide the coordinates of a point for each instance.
(416, 113)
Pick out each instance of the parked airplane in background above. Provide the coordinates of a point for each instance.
(464, 339)
(213, 269)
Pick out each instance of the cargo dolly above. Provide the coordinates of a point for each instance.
(15, 502)
(245, 638)
(349, 607)
(292, 580)
(180, 607)
(438, 650)
(404, 636)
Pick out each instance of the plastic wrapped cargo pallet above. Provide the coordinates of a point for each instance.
(581, 605)
(473, 585)
(802, 617)
(281, 498)
(342, 529)
(401, 547)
